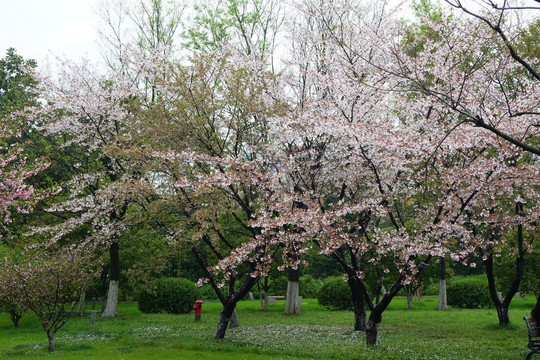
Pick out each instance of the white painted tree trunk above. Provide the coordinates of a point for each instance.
(292, 300)
(442, 304)
(112, 300)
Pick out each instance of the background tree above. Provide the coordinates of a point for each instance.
(48, 283)
(92, 111)
(204, 139)
(475, 81)
(17, 86)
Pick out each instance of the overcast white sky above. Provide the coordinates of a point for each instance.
(39, 28)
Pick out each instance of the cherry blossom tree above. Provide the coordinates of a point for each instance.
(48, 283)
(369, 174)
(93, 110)
(469, 67)
(203, 151)
(462, 68)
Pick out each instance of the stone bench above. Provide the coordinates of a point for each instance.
(272, 299)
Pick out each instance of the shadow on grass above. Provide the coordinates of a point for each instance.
(23, 350)
(496, 326)
(133, 348)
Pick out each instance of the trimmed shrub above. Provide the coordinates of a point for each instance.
(172, 295)
(469, 292)
(309, 287)
(335, 293)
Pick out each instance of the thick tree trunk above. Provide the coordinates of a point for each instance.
(410, 296)
(443, 299)
(233, 323)
(358, 305)
(224, 318)
(114, 282)
(372, 331)
(292, 301)
(111, 308)
(51, 344)
(502, 313)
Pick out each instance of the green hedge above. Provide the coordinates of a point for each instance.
(172, 295)
(335, 293)
(468, 292)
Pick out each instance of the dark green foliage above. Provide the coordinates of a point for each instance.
(17, 86)
(335, 293)
(321, 266)
(15, 312)
(208, 292)
(469, 292)
(172, 295)
(278, 286)
(309, 287)
(431, 289)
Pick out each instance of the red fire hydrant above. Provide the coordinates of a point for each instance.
(198, 309)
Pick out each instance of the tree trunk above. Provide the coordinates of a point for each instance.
(443, 299)
(409, 300)
(358, 305)
(372, 332)
(82, 301)
(224, 318)
(114, 282)
(101, 290)
(263, 294)
(112, 300)
(51, 344)
(15, 317)
(502, 313)
(233, 323)
(502, 306)
(103, 303)
(292, 301)
(265, 305)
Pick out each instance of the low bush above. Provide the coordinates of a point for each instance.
(468, 292)
(335, 293)
(172, 295)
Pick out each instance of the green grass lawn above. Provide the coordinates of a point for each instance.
(317, 333)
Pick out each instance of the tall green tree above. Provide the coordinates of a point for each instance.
(17, 85)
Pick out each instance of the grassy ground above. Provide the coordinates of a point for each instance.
(317, 333)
